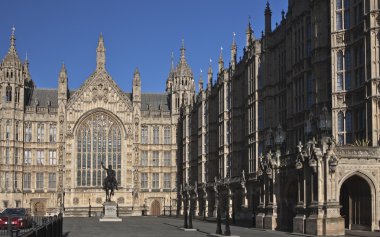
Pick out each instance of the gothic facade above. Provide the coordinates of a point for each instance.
(52, 141)
(287, 136)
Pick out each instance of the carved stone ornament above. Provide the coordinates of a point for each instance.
(100, 92)
(76, 201)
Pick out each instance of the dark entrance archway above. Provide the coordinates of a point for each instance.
(289, 204)
(355, 198)
(155, 208)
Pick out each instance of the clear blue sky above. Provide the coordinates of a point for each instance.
(138, 33)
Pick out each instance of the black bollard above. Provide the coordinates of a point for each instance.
(185, 212)
(89, 210)
(191, 214)
(227, 231)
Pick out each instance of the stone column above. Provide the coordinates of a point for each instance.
(270, 220)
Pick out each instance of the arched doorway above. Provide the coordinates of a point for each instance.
(355, 198)
(155, 209)
(289, 206)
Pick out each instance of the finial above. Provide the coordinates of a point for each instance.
(221, 54)
(100, 53)
(13, 30)
(233, 38)
(210, 61)
(13, 39)
(283, 14)
(26, 56)
(183, 49)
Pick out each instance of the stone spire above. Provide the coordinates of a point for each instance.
(233, 51)
(100, 54)
(249, 34)
(200, 82)
(268, 19)
(63, 73)
(221, 62)
(12, 57)
(136, 75)
(183, 49)
(209, 75)
(136, 87)
(183, 68)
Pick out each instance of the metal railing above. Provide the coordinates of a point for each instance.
(38, 226)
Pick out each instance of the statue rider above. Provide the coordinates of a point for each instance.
(111, 177)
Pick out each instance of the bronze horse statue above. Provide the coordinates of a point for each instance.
(110, 182)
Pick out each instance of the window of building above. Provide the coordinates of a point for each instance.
(98, 140)
(8, 131)
(348, 127)
(339, 71)
(39, 180)
(7, 177)
(167, 135)
(17, 156)
(340, 128)
(167, 180)
(144, 180)
(52, 157)
(167, 158)
(27, 180)
(144, 135)
(52, 180)
(8, 93)
(40, 157)
(156, 158)
(17, 95)
(53, 133)
(342, 14)
(17, 132)
(7, 154)
(40, 132)
(28, 132)
(155, 181)
(144, 158)
(347, 68)
(156, 135)
(27, 157)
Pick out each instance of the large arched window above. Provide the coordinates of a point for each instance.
(98, 140)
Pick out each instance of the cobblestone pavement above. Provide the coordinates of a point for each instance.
(161, 226)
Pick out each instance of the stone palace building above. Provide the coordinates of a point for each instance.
(52, 141)
(286, 137)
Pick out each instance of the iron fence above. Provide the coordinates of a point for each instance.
(37, 226)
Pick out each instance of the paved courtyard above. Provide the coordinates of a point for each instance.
(160, 226)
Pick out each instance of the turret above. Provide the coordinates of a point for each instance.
(268, 19)
(169, 81)
(136, 90)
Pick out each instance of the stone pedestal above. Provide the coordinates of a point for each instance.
(333, 223)
(260, 220)
(270, 219)
(110, 213)
(299, 224)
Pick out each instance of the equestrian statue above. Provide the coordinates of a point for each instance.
(109, 182)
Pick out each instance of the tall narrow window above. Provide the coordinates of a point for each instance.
(53, 133)
(39, 181)
(7, 178)
(8, 93)
(98, 140)
(52, 157)
(7, 154)
(40, 157)
(52, 181)
(144, 180)
(17, 95)
(28, 132)
(156, 135)
(347, 68)
(167, 180)
(8, 131)
(347, 14)
(17, 156)
(167, 158)
(40, 132)
(144, 158)
(155, 181)
(27, 180)
(17, 132)
(339, 83)
(156, 158)
(167, 136)
(348, 127)
(144, 135)
(27, 157)
(340, 128)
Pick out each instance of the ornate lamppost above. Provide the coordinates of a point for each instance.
(184, 198)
